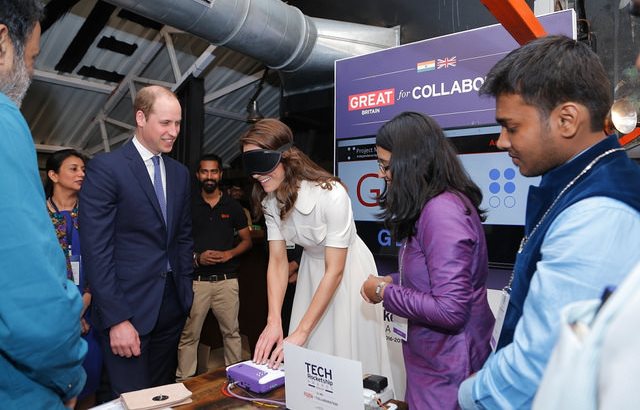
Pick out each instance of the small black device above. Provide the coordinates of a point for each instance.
(375, 383)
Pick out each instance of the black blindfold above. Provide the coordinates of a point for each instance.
(262, 161)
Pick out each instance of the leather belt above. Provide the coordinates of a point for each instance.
(216, 277)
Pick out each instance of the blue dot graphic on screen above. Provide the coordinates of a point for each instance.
(502, 186)
(509, 173)
(509, 201)
(509, 187)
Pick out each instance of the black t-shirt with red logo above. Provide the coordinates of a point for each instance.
(216, 228)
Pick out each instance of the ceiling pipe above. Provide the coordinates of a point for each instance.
(303, 49)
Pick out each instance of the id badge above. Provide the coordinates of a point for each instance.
(502, 311)
(75, 269)
(400, 327)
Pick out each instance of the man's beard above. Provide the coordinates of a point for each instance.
(15, 86)
(209, 185)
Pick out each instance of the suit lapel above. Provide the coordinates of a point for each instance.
(139, 170)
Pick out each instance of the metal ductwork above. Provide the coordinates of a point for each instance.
(303, 49)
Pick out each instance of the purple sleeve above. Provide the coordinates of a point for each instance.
(447, 238)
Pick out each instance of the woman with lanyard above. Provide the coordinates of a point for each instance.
(432, 206)
(65, 173)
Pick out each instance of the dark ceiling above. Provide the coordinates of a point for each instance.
(418, 19)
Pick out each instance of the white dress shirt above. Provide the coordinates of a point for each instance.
(148, 161)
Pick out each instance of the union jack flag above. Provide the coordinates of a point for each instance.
(446, 62)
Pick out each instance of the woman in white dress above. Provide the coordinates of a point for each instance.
(303, 204)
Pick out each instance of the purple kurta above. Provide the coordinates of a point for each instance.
(444, 297)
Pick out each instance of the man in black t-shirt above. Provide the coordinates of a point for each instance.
(217, 219)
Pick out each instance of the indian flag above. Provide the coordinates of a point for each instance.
(426, 66)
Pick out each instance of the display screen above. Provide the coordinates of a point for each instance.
(504, 190)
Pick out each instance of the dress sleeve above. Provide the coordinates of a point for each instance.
(272, 219)
(447, 239)
(338, 216)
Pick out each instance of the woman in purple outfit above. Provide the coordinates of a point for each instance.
(432, 206)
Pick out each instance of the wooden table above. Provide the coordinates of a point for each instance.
(207, 394)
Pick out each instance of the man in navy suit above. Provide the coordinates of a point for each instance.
(137, 249)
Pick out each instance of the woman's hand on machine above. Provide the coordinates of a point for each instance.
(271, 336)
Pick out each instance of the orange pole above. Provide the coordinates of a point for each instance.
(517, 18)
(627, 138)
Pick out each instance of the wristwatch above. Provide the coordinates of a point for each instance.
(379, 288)
(196, 258)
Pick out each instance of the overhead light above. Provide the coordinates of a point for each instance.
(624, 116)
(253, 111)
(634, 7)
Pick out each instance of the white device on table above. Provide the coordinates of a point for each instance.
(371, 398)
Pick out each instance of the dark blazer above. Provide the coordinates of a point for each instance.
(125, 241)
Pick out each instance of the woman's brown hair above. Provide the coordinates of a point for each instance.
(272, 134)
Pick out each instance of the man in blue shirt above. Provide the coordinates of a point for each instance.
(583, 221)
(41, 350)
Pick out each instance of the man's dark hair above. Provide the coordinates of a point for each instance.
(20, 17)
(211, 157)
(550, 71)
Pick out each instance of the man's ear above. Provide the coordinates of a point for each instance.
(140, 118)
(5, 42)
(569, 118)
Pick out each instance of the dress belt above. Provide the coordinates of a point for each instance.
(216, 277)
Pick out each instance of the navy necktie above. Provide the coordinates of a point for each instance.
(157, 186)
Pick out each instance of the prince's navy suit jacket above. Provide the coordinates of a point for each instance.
(126, 243)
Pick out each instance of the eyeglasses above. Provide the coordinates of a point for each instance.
(384, 168)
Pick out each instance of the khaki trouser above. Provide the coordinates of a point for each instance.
(222, 298)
